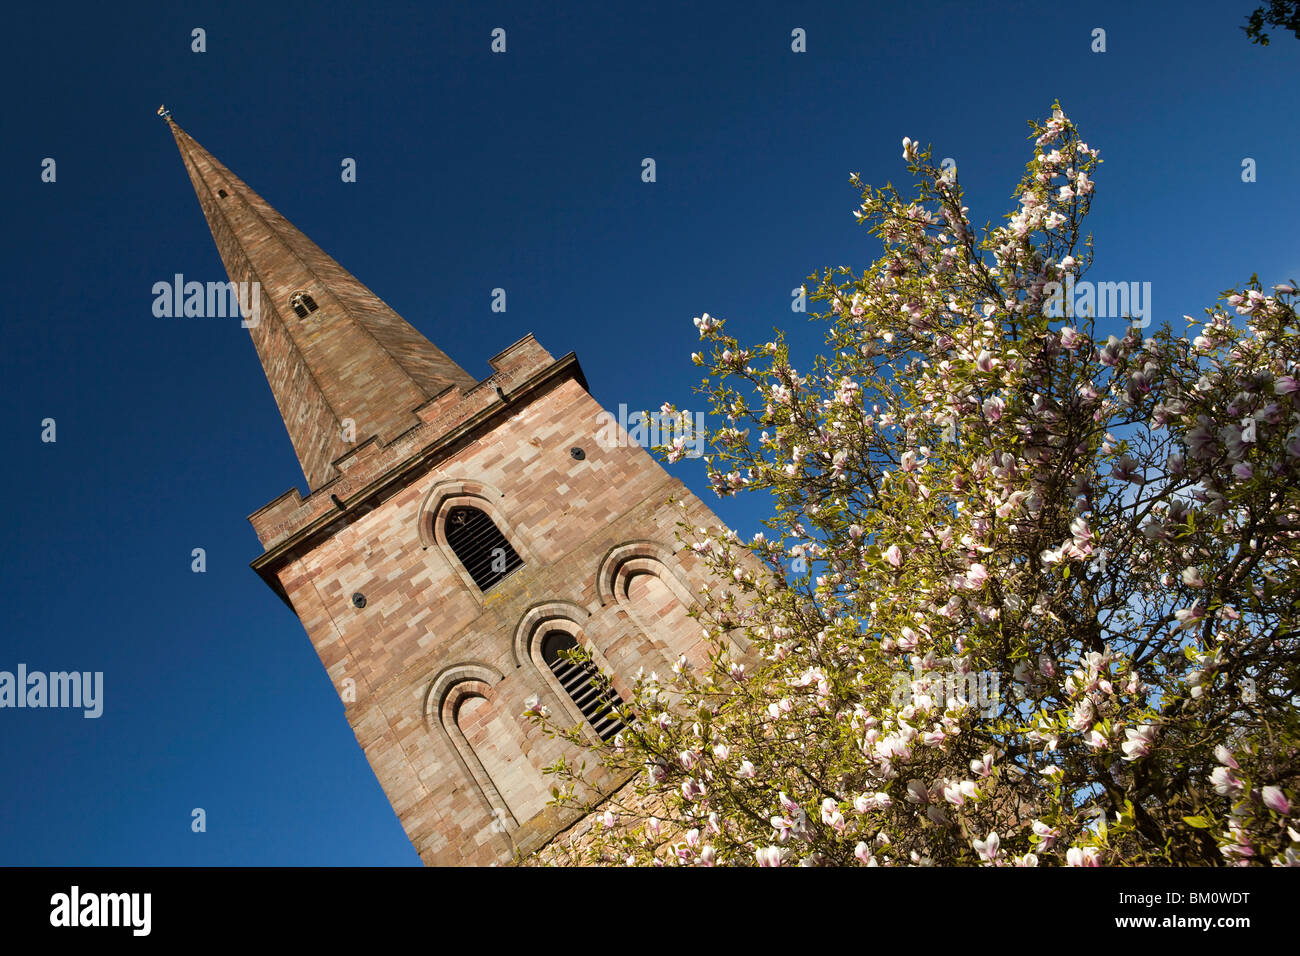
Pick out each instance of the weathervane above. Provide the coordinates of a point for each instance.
(164, 112)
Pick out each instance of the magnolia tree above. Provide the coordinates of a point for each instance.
(1029, 595)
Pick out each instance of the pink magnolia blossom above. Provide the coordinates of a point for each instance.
(988, 847)
(1139, 741)
(1049, 834)
(1225, 757)
(768, 856)
(1225, 784)
(1276, 800)
(832, 816)
(1083, 856)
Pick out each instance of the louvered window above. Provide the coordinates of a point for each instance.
(580, 681)
(303, 304)
(480, 546)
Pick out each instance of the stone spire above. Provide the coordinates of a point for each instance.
(350, 368)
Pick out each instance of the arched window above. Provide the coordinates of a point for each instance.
(580, 681)
(303, 304)
(480, 546)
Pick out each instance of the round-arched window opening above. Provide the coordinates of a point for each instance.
(580, 680)
(480, 546)
(302, 304)
(553, 643)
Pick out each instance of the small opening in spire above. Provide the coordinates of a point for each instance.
(221, 193)
(303, 304)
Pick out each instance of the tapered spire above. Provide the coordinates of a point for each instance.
(342, 365)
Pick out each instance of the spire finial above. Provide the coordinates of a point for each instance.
(165, 113)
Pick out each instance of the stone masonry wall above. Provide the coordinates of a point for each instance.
(433, 664)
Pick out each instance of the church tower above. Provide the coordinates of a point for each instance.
(455, 538)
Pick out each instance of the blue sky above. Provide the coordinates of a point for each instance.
(477, 171)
